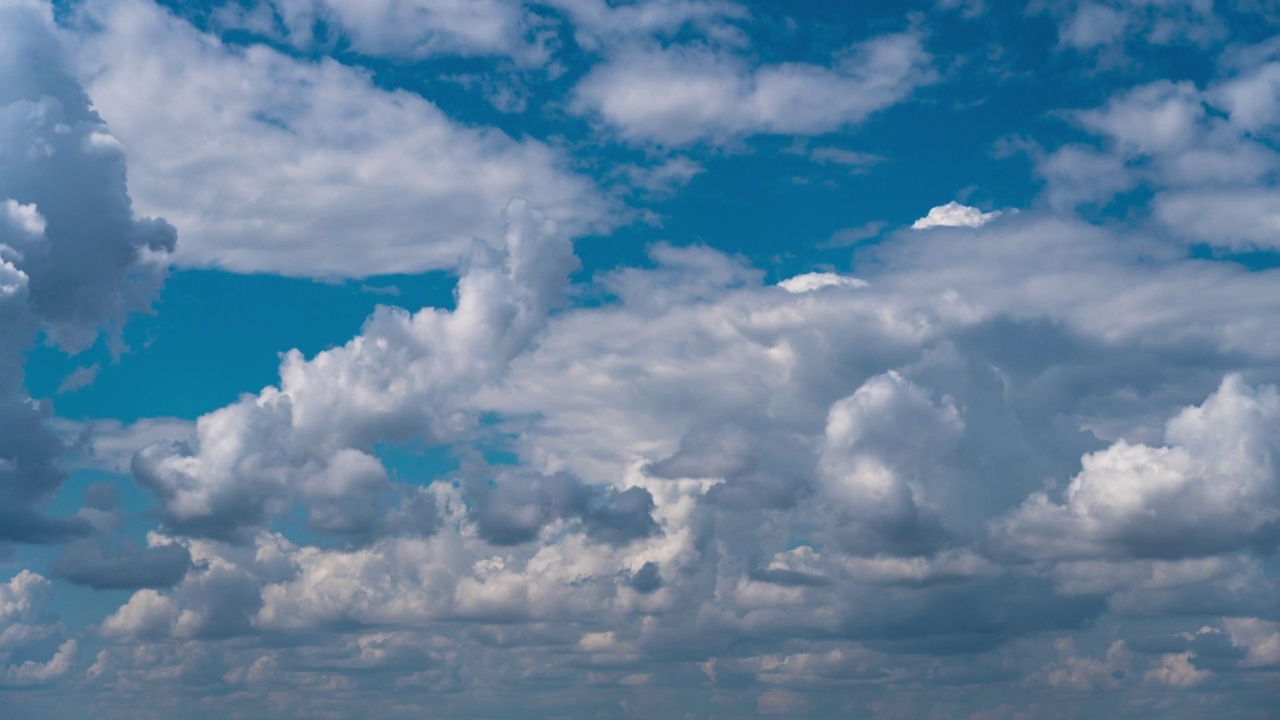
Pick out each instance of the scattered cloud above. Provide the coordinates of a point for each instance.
(684, 94)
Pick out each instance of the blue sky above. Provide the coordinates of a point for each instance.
(658, 358)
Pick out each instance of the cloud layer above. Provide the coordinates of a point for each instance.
(1018, 463)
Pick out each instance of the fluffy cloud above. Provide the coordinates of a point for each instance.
(33, 650)
(864, 492)
(953, 214)
(682, 94)
(248, 152)
(1259, 639)
(1212, 488)
(419, 28)
(312, 437)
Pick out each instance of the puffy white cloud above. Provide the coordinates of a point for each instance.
(1176, 670)
(953, 214)
(267, 163)
(682, 94)
(32, 646)
(1211, 488)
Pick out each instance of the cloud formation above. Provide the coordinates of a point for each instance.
(683, 94)
(269, 163)
(74, 259)
(1015, 464)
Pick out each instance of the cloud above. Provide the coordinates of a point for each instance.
(808, 282)
(1110, 24)
(953, 214)
(683, 94)
(33, 649)
(510, 508)
(311, 438)
(1210, 489)
(88, 562)
(1260, 640)
(1176, 670)
(79, 378)
(421, 28)
(883, 492)
(73, 257)
(268, 163)
(600, 25)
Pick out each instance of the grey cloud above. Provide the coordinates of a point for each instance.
(513, 508)
(127, 567)
(1210, 489)
(311, 438)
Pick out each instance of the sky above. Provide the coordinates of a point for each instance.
(639, 358)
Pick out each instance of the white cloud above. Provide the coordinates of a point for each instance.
(599, 24)
(808, 282)
(1212, 488)
(26, 217)
(1083, 673)
(1259, 639)
(953, 214)
(1236, 219)
(420, 28)
(1176, 670)
(1160, 117)
(267, 163)
(314, 434)
(30, 633)
(683, 94)
(1109, 24)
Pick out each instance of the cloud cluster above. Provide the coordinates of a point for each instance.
(1021, 450)
(73, 257)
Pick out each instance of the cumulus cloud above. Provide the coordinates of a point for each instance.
(683, 94)
(247, 151)
(420, 28)
(1177, 670)
(953, 214)
(1259, 639)
(33, 649)
(73, 257)
(311, 438)
(1211, 488)
(824, 495)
